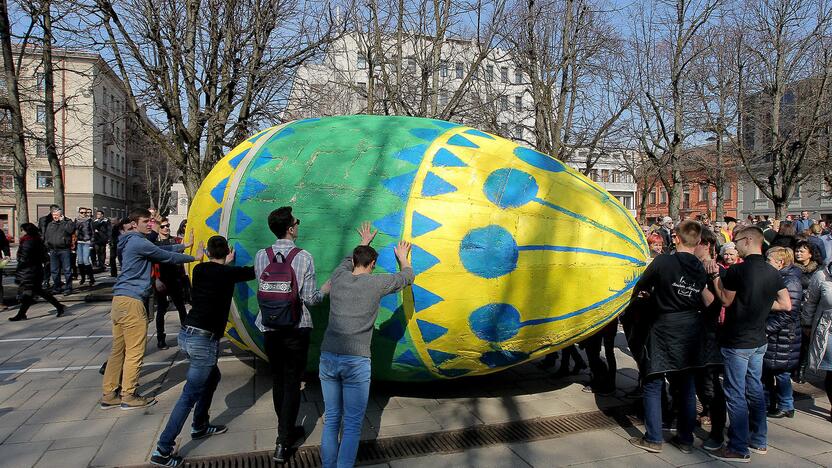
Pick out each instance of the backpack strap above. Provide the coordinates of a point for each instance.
(270, 252)
(292, 254)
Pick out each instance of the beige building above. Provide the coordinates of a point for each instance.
(95, 144)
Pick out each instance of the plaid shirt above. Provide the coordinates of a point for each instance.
(304, 267)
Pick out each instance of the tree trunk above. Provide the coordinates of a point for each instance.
(49, 104)
(13, 104)
(673, 196)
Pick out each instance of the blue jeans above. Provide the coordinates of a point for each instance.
(345, 383)
(779, 390)
(60, 261)
(82, 251)
(201, 382)
(686, 405)
(744, 398)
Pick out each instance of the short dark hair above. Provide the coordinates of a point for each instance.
(363, 256)
(754, 233)
(280, 220)
(730, 219)
(53, 207)
(137, 213)
(787, 228)
(217, 247)
(30, 229)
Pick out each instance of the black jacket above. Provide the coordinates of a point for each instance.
(84, 230)
(44, 221)
(783, 328)
(102, 231)
(31, 254)
(4, 244)
(59, 234)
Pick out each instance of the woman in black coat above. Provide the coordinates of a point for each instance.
(784, 336)
(29, 274)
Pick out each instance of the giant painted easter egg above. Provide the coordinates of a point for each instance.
(516, 255)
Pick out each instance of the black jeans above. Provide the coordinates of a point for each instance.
(712, 396)
(113, 257)
(287, 351)
(27, 298)
(174, 292)
(100, 254)
(603, 375)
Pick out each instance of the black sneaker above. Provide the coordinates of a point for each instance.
(642, 443)
(160, 459)
(209, 431)
(162, 345)
(777, 413)
(279, 454)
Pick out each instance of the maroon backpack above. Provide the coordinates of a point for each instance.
(278, 291)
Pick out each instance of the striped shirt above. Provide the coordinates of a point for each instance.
(304, 267)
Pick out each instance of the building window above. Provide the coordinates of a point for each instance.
(605, 175)
(616, 177)
(703, 192)
(40, 150)
(460, 70)
(518, 76)
(518, 104)
(796, 193)
(6, 182)
(504, 74)
(662, 196)
(40, 79)
(503, 103)
(626, 200)
(362, 62)
(104, 184)
(652, 197)
(686, 198)
(40, 116)
(443, 97)
(443, 68)
(593, 174)
(504, 129)
(411, 65)
(44, 179)
(518, 132)
(489, 73)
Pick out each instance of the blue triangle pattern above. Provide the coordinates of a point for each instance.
(422, 298)
(409, 359)
(421, 224)
(444, 124)
(413, 154)
(390, 301)
(235, 161)
(256, 136)
(242, 221)
(435, 185)
(263, 157)
(444, 158)
(218, 192)
(252, 188)
(478, 133)
(422, 259)
(232, 332)
(430, 331)
(391, 224)
(459, 140)
(387, 259)
(244, 292)
(241, 255)
(282, 134)
(400, 185)
(213, 221)
(440, 357)
(428, 134)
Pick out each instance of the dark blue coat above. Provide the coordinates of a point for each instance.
(783, 328)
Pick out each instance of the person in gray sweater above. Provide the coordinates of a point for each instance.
(345, 351)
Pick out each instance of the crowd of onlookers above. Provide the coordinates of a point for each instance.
(730, 312)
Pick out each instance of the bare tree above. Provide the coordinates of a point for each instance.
(211, 70)
(665, 46)
(12, 103)
(784, 65)
(45, 14)
(576, 66)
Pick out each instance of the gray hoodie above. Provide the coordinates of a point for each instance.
(137, 255)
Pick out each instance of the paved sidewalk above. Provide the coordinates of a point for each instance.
(49, 387)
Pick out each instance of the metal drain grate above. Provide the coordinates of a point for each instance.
(382, 450)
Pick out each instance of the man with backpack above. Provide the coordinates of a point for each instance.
(286, 286)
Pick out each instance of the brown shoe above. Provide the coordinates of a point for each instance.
(642, 443)
(129, 402)
(110, 400)
(726, 454)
